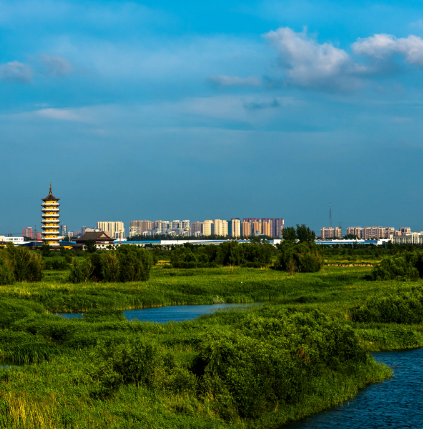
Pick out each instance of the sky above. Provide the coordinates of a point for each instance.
(202, 110)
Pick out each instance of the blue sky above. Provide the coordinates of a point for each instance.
(194, 110)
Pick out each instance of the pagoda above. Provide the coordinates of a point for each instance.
(50, 222)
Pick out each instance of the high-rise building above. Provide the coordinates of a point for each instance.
(277, 227)
(330, 233)
(208, 228)
(137, 227)
(220, 227)
(50, 219)
(234, 227)
(255, 228)
(245, 229)
(196, 228)
(64, 230)
(112, 229)
(266, 229)
(27, 232)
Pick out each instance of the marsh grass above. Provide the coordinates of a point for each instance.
(72, 373)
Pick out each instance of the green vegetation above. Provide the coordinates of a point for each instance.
(126, 264)
(305, 350)
(303, 257)
(19, 264)
(231, 253)
(403, 266)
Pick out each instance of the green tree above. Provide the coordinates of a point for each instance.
(289, 234)
(45, 250)
(305, 234)
(90, 246)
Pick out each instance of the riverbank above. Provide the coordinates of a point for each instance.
(204, 373)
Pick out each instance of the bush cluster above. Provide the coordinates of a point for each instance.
(398, 306)
(404, 266)
(19, 264)
(226, 254)
(268, 360)
(126, 264)
(301, 257)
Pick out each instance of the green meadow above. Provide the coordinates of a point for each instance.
(305, 350)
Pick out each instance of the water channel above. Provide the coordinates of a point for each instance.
(395, 403)
(174, 313)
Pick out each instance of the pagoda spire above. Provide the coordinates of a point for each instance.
(50, 189)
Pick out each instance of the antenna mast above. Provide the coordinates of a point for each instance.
(330, 216)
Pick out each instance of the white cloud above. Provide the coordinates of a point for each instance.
(310, 64)
(16, 71)
(55, 66)
(60, 114)
(382, 46)
(224, 80)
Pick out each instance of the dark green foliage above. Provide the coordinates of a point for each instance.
(90, 246)
(57, 263)
(289, 234)
(126, 264)
(12, 310)
(395, 306)
(25, 265)
(302, 257)
(80, 271)
(130, 362)
(45, 250)
(305, 234)
(270, 360)
(404, 266)
(231, 253)
(6, 272)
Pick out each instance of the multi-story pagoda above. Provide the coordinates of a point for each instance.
(50, 222)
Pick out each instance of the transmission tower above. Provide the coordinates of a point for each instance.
(330, 216)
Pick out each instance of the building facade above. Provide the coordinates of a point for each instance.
(112, 229)
(245, 229)
(234, 228)
(207, 228)
(330, 233)
(50, 219)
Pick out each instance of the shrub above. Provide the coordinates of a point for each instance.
(130, 362)
(398, 306)
(25, 265)
(403, 267)
(127, 263)
(6, 272)
(302, 257)
(268, 362)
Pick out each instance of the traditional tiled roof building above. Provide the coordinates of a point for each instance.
(50, 219)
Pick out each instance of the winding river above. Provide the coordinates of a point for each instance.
(395, 403)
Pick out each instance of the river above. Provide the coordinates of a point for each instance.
(395, 403)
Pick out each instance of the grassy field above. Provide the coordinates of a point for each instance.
(304, 351)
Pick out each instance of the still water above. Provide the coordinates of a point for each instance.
(175, 313)
(395, 403)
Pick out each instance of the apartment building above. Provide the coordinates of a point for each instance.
(330, 233)
(266, 229)
(234, 227)
(112, 229)
(220, 227)
(137, 227)
(245, 229)
(208, 228)
(196, 228)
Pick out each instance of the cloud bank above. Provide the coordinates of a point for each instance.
(16, 72)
